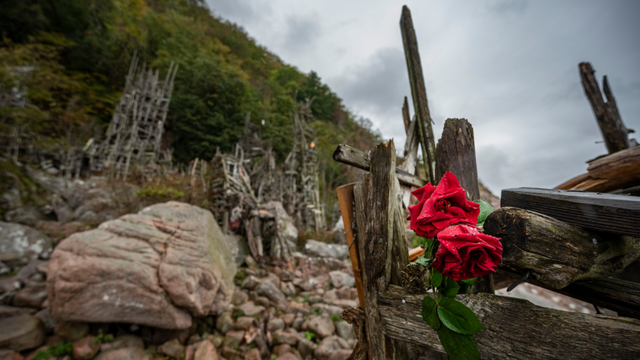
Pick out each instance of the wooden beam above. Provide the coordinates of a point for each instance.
(613, 130)
(517, 329)
(556, 253)
(410, 151)
(359, 159)
(617, 171)
(456, 152)
(418, 92)
(617, 214)
(405, 115)
(347, 207)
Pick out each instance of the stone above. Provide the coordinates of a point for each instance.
(224, 322)
(328, 346)
(345, 330)
(156, 336)
(9, 311)
(128, 353)
(205, 350)
(71, 331)
(252, 354)
(19, 244)
(281, 349)
(314, 299)
(245, 322)
(27, 215)
(342, 354)
(340, 279)
(287, 288)
(307, 284)
(239, 248)
(286, 225)
(319, 249)
(276, 324)
(297, 324)
(172, 348)
(288, 318)
(228, 352)
(322, 326)
(270, 289)
(306, 348)
(263, 301)
(250, 282)
(48, 321)
(21, 332)
(6, 354)
(233, 338)
(344, 303)
(239, 297)
(33, 295)
(168, 259)
(285, 337)
(85, 349)
(123, 342)
(329, 296)
(250, 309)
(288, 356)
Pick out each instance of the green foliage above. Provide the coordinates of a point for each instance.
(309, 335)
(238, 313)
(436, 278)
(429, 313)
(450, 287)
(240, 276)
(315, 311)
(335, 317)
(55, 351)
(157, 194)
(102, 338)
(458, 317)
(458, 346)
(485, 210)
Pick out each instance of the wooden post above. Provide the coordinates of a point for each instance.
(418, 92)
(346, 201)
(613, 130)
(410, 150)
(383, 252)
(456, 152)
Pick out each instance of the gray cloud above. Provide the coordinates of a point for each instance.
(240, 11)
(506, 6)
(301, 33)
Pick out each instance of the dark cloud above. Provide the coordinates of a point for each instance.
(301, 33)
(240, 11)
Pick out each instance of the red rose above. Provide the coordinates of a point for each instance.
(465, 253)
(441, 206)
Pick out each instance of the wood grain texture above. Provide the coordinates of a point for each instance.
(619, 170)
(557, 253)
(347, 207)
(517, 329)
(411, 145)
(617, 214)
(359, 159)
(613, 130)
(418, 92)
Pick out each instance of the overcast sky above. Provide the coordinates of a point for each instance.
(508, 66)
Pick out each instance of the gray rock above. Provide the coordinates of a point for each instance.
(320, 249)
(245, 322)
(306, 284)
(123, 342)
(21, 332)
(64, 212)
(345, 330)
(233, 338)
(270, 289)
(168, 259)
(285, 337)
(275, 324)
(339, 234)
(239, 297)
(20, 244)
(239, 248)
(306, 347)
(328, 346)
(342, 354)
(47, 320)
(134, 353)
(33, 295)
(250, 309)
(286, 225)
(340, 279)
(172, 348)
(322, 326)
(27, 215)
(224, 322)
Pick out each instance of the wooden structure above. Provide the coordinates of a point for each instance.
(135, 131)
(548, 252)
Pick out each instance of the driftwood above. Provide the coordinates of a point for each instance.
(614, 133)
(410, 149)
(418, 92)
(616, 214)
(456, 152)
(359, 159)
(356, 318)
(555, 252)
(611, 293)
(517, 329)
(617, 171)
(381, 244)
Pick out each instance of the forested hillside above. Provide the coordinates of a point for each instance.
(70, 57)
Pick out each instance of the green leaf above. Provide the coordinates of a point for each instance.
(458, 346)
(468, 281)
(458, 317)
(450, 287)
(429, 313)
(436, 278)
(464, 288)
(424, 261)
(485, 210)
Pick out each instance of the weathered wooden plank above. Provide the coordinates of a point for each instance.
(619, 170)
(410, 150)
(418, 92)
(555, 252)
(616, 214)
(347, 207)
(517, 329)
(361, 160)
(405, 115)
(613, 130)
(456, 152)
(611, 293)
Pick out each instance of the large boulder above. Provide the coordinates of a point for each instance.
(156, 268)
(19, 244)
